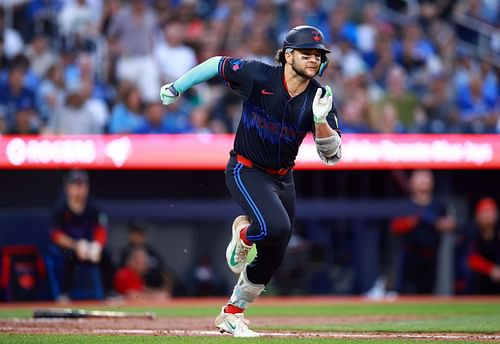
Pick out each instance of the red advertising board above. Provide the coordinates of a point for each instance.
(205, 151)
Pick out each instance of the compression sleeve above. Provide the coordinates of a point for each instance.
(202, 72)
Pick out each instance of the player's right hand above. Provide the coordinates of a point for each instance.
(94, 252)
(168, 94)
(82, 249)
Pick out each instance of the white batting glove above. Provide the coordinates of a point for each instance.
(82, 249)
(95, 250)
(322, 105)
(168, 94)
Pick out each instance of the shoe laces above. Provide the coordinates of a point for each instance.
(242, 252)
(241, 317)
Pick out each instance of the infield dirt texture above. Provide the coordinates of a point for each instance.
(290, 320)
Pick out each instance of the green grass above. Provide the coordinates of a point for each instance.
(347, 309)
(74, 339)
(443, 317)
(462, 324)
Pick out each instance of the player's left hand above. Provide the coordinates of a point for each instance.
(82, 249)
(322, 105)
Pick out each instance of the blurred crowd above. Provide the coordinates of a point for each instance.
(95, 66)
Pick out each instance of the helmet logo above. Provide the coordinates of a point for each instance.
(316, 37)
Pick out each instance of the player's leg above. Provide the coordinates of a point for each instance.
(70, 262)
(269, 203)
(263, 198)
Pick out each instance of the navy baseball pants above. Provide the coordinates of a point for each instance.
(269, 201)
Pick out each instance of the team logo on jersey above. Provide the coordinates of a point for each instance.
(316, 36)
(269, 128)
(235, 64)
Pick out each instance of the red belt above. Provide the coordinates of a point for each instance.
(248, 163)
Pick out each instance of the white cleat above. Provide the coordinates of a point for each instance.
(235, 324)
(237, 250)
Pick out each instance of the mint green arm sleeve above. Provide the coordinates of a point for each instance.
(202, 72)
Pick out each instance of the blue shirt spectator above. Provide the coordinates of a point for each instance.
(126, 116)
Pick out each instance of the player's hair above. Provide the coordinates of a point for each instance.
(280, 57)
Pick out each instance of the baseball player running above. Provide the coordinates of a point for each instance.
(281, 105)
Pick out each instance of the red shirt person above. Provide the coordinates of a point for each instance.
(129, 280)
(484, 258)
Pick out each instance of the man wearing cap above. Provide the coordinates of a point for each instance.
(281, 104)
(419, 233)
(78, 227)
(484, 258)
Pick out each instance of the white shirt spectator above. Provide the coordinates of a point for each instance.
(76, 17)
(13, 42)
(173, 57)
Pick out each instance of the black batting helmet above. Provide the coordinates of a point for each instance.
(305, 37)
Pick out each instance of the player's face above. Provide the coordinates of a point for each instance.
(77, 192)
(306, 62)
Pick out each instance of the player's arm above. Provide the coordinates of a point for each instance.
(169, 93)
(327, 138)
(62, 239)
(483, 266)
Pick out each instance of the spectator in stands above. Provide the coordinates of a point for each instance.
(13, 42)
(183, 119)
(75, 116)
(369, 45)
(40, 55)
(383, 59)
(484, 258)
(177, 118)
(155, 275)
(13, 92)
(477, 101)
(25, 121)
(400, 97)
(126, 116)
(439, 105)
(95, 91)
(79, 232)
(154, 120)
(420, 235)
(200, 121)
(78, 23)
(387, 119)
(51, 93)
(174, 58)
(132, 36)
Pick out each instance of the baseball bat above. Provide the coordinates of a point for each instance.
(67, 313)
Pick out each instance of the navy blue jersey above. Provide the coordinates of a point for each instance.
(76, 226)
(273, 124)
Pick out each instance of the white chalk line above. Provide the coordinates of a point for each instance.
(339, 335)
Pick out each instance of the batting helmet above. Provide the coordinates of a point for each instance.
(307, 37)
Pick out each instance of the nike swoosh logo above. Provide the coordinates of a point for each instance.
(266, 92)
(232, 261)
(230, 325)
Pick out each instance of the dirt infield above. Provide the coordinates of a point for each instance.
(203, 326)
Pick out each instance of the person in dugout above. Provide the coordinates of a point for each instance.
(420, 233)
(78, 230)
(484, 256)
